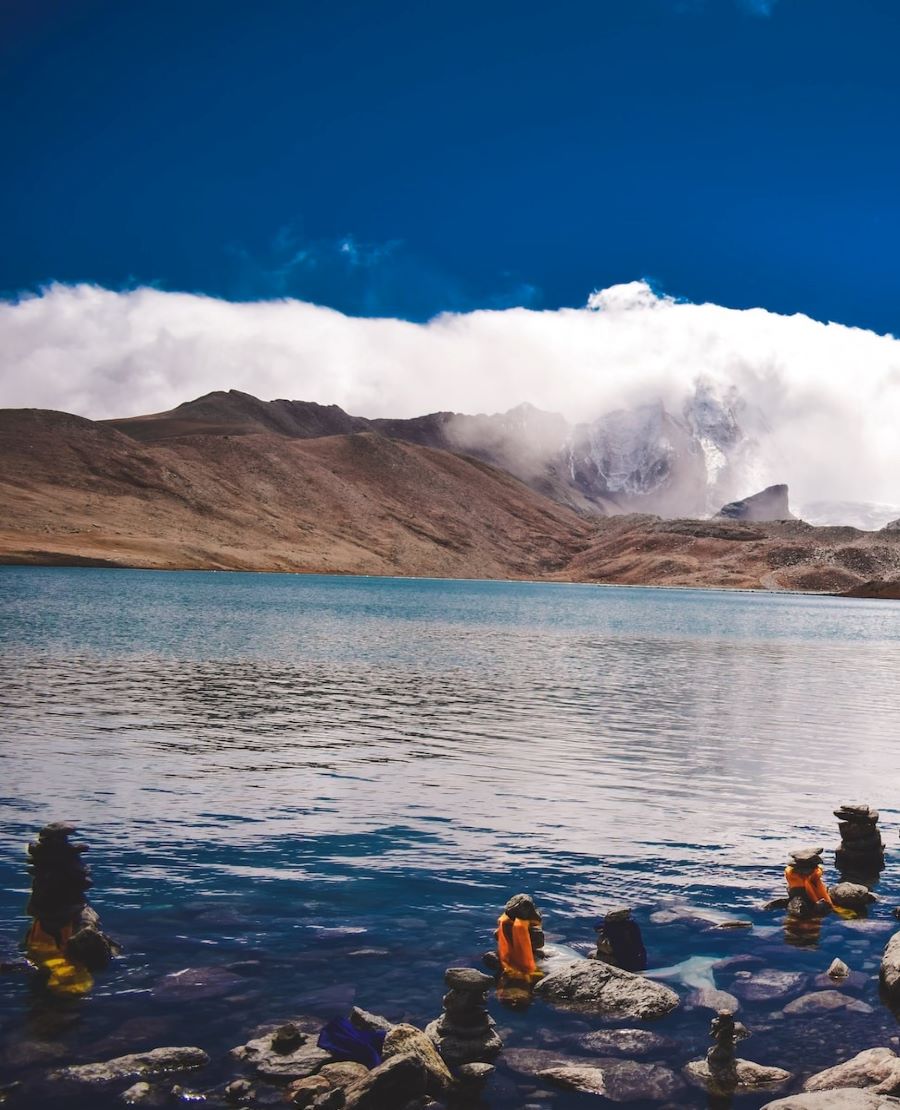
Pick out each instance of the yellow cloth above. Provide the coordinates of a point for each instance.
(64, 976)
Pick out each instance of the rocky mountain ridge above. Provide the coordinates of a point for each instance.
(280, 486)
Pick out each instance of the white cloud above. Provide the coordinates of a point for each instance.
(830, 394)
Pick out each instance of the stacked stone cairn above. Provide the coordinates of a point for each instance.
(860, 858)
(58, 902)
(805, 861)
(465, 1033)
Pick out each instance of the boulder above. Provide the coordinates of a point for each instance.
(578, 1077)
(407, 1040)
(306, 1092)
(709, 998)
(617, 1080)
(373, 1023)
(890, 970)
(847, 1099)
(393, 1083)
(876, 1067)
(137, 1065)
(599, 988)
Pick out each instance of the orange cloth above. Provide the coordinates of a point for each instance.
(514, 948)
(812, 884)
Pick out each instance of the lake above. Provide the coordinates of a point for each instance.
(322, 790)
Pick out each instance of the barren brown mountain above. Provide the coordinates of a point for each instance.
(297, 487)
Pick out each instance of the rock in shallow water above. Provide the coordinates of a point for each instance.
(620, 1042)
(749, 1077)
(766, 985)
(836, 1100)
(876, 1067)
(406, 1040)
(890, 970)
(825, 1001)
(265, 1055)
(600, 988)
(138, 1064)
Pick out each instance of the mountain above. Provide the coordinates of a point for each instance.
(229, 482)
(645, 459)
(769, 504)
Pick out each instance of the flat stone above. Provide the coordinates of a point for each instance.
(599, 988)
(708, 998)
(876, 1067)
(588, 1080)
(807, 855)
(824, 1001)
(851, 896)
(407, 1040)
(474, 1074)
(846, 1099)
(751, 1077)
(468, 979)
(279, 1066)
(137, 1065)
(373, 1023)
(763, 986)
(456, 1050)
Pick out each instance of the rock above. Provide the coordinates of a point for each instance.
(393, 1083)
(876, 1067)
(623, 1042)
(305, 1092)
(709, 999)
(896, 912)
(823, 1001)
(847, 1099)
(373, 1023)
(750, 1077)
(851, 896)
(584, 1078)
(474, 1075)
(344, 1073)
(769, 504)
(890, 970)
(271, 1063)
(136, 1065)
(468, 979)
(406, 1040)
(777, 904)
(239, 1090)
(600, 988)
(137, 1093)
(185, 1094)
(837, 970)
(197, 982)
(763, 986)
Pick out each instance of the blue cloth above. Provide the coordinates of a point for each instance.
(345, 1042)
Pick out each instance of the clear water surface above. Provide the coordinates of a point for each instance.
(322, 790)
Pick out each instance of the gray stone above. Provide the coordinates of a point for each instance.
(455, 1049)
(890, 969)
(468, 979)
(748, 1078)
(876, 1067)
(824, 1001)
(239, 1090)
(580, 1077)
(474, 1075)
(305, 1092)
(847, 1099)
(137, 1065)
(630, 1081)
(407, 1040)
(373, 1023)
(708, 998)
(851, 896)
(268, 1062)
(137, 1093)
(344, 1073)
(393, 1083)
(600, 988)
(762, 986)
(837, 969)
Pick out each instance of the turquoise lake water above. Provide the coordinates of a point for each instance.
(322, 791)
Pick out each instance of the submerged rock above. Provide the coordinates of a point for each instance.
(763, 986)
(622, 1042)
(825, 1001)
(851, 896)
(748, 1077)
(876, 1067)
(197, 983)
(136, 1065)
(712, 999)
(600, 988)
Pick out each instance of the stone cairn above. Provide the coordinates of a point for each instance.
(465, 1033)
(860, 858)
(720, 1059)
(804, 861)
(58, 902)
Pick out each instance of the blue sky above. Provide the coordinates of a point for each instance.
(408, 158)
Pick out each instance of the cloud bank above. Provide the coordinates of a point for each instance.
(826, 397)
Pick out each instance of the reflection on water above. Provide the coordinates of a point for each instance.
(305, 756)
